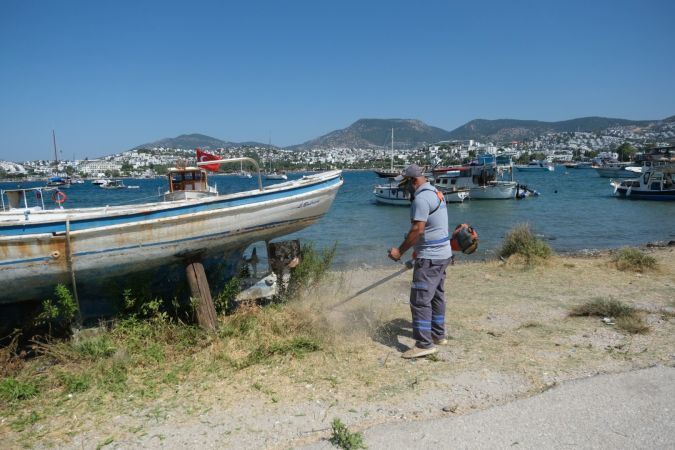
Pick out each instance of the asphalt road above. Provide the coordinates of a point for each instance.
(634, 410)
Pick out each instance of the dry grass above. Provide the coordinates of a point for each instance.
(510, 332)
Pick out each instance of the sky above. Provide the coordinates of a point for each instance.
(108, 76)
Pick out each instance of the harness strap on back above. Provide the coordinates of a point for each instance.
(441, 200)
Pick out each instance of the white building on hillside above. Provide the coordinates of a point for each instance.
(97, 166)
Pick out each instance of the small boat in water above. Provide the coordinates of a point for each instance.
(617, 169)
(113, 184)
(276, 176)
(59, 182)
(535, 166)
(657, 182)
(391, 194)
(391, 172)
(149, 242)
(483, 179)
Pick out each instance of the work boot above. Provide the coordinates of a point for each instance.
(417, 352)
(440, 341)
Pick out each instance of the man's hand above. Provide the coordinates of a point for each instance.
(394, 253)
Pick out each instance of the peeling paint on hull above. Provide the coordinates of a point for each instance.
(109, 243)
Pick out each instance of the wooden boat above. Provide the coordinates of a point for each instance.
(41, 247)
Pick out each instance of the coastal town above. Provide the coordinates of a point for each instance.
(555, 147)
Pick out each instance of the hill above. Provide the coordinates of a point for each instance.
(376, 133)
(501, 130)
(187, 141)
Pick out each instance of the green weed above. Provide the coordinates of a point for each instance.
(633, 259)
(312, 269)
(13, 390)
(521, 241)
(99, 347)
(64, 309)
(75, 382)
(345, 439)
(603, 308)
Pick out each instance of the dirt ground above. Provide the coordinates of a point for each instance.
(510, 333)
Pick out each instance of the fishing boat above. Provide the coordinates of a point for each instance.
(657, 182)
(150, 242)
(391, 194)
(535, 166)
(483, 178)
(451, 192)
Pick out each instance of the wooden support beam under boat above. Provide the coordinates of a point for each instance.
(199, 288)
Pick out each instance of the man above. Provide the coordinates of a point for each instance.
(428, 235)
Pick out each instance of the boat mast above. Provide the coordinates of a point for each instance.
(56, 156)
(392, 150)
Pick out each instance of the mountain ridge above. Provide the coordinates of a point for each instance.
(413, 133)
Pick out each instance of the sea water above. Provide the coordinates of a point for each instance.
(575, 211)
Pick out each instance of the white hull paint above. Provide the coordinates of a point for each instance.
(108, 242)
(499, 190)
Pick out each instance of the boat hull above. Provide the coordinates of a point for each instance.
(107, 244)
(642, 194)
(614, 173)
(494, 191)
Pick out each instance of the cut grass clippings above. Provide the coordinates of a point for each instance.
(626, 317)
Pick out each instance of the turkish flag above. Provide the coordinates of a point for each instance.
(203, 156)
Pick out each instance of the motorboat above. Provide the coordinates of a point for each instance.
(535, 166)
(616, 169)
(655, 183)
(109, 248)
(113, 184)
(59, 182)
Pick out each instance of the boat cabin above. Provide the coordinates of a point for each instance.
(188, 183)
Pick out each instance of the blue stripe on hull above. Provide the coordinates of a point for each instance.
(171, 242)
(84, 224)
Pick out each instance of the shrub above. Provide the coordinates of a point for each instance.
(633, 259)
(64, 309)
(312, 269)
(626, 317)
(344, 438)
(603, 308)
(522, 241)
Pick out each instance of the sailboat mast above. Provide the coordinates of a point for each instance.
(392, 150)
(56, 156)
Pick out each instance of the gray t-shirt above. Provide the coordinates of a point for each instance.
(435, 243)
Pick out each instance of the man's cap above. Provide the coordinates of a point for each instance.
(412, 171)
